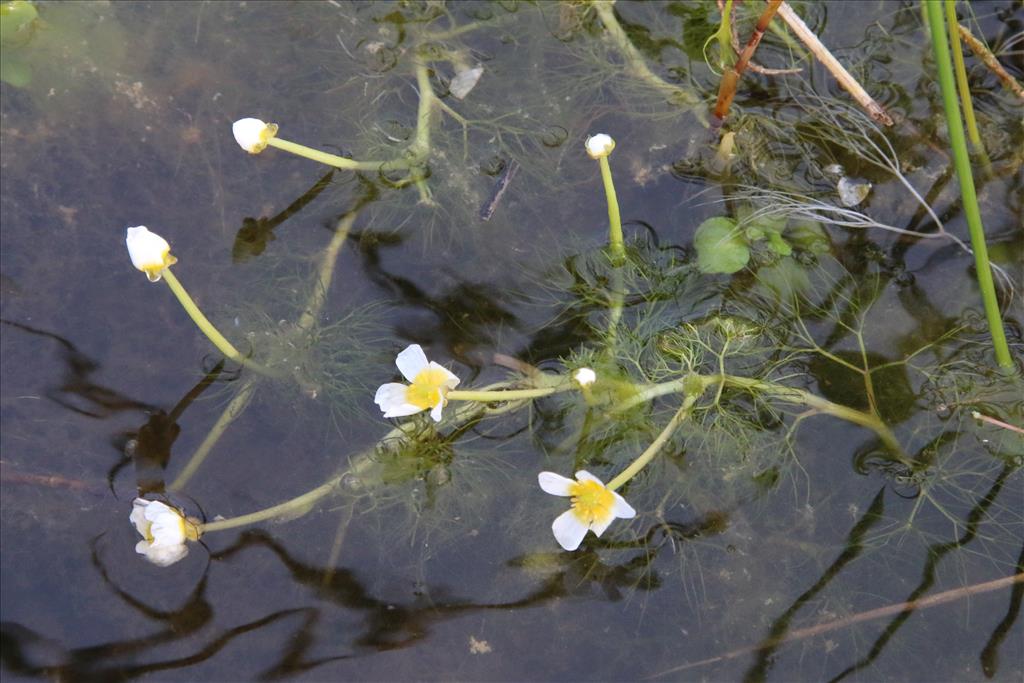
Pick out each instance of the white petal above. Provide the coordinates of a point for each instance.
(451, 379)
(435, 412)
(569, 530)
(622, 509)
(583, 475)
(391, 399)
(138, 517)
(168, 527)
(598, 526)
(164, 556)
(411, 361)
(555, 484)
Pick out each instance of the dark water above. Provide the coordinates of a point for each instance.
(761, 545)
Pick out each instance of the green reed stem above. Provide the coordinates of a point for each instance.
(961, 161)
(961, 75)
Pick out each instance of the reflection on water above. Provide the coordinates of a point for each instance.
(772, 542)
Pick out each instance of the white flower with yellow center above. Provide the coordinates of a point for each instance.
(430, 383)
(594, 506)
(252, 135)
(164, 531)
(600, 145)
(149, 252)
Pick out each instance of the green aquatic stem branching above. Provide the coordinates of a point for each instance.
(696, 385)
(207, 328)
(962, 163)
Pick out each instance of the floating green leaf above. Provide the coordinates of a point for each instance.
(720, 246)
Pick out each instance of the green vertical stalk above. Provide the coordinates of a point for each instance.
(615, 240)
(962, 163)
(961, 76)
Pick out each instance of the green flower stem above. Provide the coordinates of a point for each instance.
(615, 241)
(333, 159)
(235, 408)
(508, 395)
(207, 328)
(962, 163)
(652, 450)
(289, 507)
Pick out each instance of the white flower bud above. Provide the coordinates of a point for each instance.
(149, 252)
(252, 135)
(585, 376)
(600, 145)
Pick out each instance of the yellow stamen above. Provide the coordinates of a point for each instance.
(591, 501)
(425, 390)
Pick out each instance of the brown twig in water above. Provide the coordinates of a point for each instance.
(985, 55)
(753, 66)
(727, 89)
(877, 613)
(804, 33)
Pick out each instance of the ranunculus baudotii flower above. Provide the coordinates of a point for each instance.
(253, 135)
(149, 252)
(594, 506)
(429, 382)
(164, 531)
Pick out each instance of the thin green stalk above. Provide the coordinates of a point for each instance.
(207, 328)
(299, 503)
(615, 240)
(509, 395)
(235, 408)
(333, 159)
(652, 450)
(961, 161)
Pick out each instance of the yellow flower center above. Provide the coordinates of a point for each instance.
(153, 270)
(591, 501)
(425, 390)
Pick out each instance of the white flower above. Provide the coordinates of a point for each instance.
(252, 134)
(429, 384)
(585, 377)
(164, 531)
(150, 252)
(594, 506)
(600, 145)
